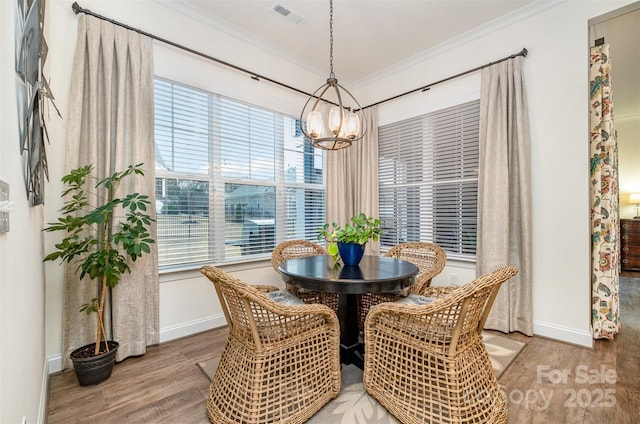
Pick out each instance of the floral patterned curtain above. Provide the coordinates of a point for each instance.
(605, 223)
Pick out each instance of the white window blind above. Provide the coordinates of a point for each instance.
(429, 179)
(232, 179)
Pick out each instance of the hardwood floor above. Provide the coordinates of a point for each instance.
(549, 382)
(553, 382)
(163, 386)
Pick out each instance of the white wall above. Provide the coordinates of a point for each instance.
(622, 33)
(23, 373)
(629, 163)
(556, 77)
(187, 300)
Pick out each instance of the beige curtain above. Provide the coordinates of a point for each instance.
(110, 125)
(352, 179)
(504, 193)
(605, 220)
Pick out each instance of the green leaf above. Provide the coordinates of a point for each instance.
(100, 243)
(53, 256)
(360, 230)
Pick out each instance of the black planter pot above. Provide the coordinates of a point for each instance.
(91, 370)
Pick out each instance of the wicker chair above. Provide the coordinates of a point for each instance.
(428, 257)
(428, 363)
(299, 249)
(281, 362)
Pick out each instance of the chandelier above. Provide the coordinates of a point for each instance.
(344, 123)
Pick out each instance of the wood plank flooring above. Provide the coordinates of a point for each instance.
(549, 382)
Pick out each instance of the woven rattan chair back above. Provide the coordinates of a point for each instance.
(428, 363)
(281, 363)
(295, 249)
(292, 249)
(428, 257)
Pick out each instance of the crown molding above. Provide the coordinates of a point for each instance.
(521, 14)
(196, 13)
(225, 27)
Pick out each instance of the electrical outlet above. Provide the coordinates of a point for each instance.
(454, 279)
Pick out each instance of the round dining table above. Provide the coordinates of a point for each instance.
(374, 274)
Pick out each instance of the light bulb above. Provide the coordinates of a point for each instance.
(315, 124)
(336, 120)
(352, 125)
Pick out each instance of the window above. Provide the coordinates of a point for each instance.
(429, 179)
(232, 179)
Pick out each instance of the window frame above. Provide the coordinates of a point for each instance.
(411, 137)
(216, 183)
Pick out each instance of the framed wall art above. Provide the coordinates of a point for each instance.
(32, 94)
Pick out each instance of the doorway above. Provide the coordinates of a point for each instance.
(621, 30)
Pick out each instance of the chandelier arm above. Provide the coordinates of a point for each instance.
(319, 97)
(340, 106)
(363, 125)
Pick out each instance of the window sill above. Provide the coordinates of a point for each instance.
(462, 260)
(193, 270)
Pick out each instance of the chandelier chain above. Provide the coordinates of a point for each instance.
(331, 74)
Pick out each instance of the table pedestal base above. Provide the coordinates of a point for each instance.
(352, 355)
(351, 350)
(374, 274)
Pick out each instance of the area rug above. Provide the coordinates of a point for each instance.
(354, 406)
(502, 351)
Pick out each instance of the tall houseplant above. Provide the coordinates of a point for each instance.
(350, 241)
(101, 241)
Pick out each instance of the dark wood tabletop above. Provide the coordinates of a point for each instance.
(374, 274)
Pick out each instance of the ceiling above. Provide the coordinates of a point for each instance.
(369, 35)
(374, 36)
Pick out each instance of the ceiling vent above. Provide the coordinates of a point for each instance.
(281, 10)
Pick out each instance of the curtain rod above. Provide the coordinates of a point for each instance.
(78, 9)
(522, 53)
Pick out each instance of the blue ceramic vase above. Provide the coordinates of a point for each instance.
(351, 253)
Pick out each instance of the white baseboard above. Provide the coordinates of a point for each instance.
(563, 334)
(44, 393)
(543, 329)
(192, 327)
(54, 363)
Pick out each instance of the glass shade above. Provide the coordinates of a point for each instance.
(332, 118)
(335, 120)
(352, 125)
(315, 124)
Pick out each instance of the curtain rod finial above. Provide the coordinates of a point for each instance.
(76, 7)
(522, 53)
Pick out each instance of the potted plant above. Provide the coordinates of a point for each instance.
(350, 241)
(101, 241)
